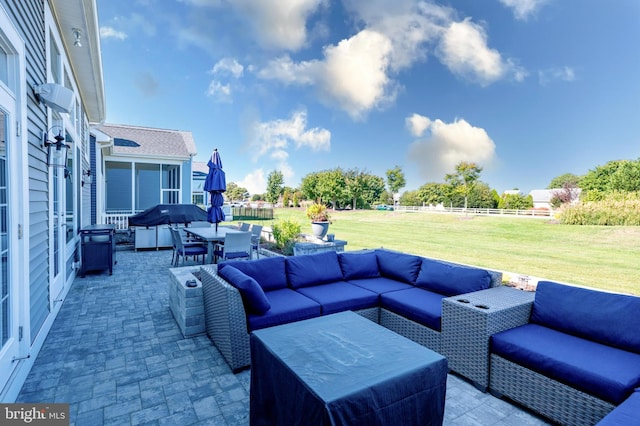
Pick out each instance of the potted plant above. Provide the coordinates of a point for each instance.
(319, 219)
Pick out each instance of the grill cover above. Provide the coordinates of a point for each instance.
(164, 214)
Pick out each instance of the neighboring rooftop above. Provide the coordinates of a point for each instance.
(149, 142)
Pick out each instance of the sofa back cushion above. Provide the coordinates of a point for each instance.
(252, 294)
(313, 269)
(359, 265)
(398, 266)
(269, 272)
(451, 280)
(610, 319)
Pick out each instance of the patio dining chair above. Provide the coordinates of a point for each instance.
(236, 245)
(184, 249)
(256, 232)
(244, 226)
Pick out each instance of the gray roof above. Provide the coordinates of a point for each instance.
(150, 142)
(199, 166)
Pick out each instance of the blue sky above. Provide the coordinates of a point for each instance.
(528, 89)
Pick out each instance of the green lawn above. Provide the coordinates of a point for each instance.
(593, 256)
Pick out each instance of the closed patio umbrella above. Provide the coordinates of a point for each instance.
(215, 183)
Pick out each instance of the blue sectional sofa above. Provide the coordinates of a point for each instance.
(576, 359)
(402, 292)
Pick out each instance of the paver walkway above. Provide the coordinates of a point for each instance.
(116, 354)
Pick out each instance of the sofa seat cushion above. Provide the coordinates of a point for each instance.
(252, 294)
(627, 413)
(286, 306)
(610, 319)
(416, 304)
(380, 285)
(451, 280)
(313, 269)
(606, 372)
(269, 272)
(398, 266)
(356, 265)
(340, 296)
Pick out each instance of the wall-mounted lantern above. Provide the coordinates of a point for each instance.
(57, 152)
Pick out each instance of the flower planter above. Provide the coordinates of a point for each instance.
(319, 229)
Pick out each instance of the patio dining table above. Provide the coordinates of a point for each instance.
(211, 235)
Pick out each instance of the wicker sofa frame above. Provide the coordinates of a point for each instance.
(552, 399)
(226, 322)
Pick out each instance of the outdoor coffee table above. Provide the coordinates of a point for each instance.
(343, 369)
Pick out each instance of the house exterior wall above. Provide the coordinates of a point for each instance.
(33, 308)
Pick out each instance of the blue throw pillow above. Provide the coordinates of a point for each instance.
(451, 280)
(254, 298)
(607, 318)
(313, 269)
(399, 266)
(269, 272)
(359, 265)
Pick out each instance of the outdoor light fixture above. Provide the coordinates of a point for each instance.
(77, 33)
(57, 151)
(87, 178)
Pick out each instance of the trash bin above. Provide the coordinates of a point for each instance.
(98, 248)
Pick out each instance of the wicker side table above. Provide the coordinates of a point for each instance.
(469, 320)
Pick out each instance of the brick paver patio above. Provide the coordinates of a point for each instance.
(116, 354)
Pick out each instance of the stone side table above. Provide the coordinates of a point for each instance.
(469, 320)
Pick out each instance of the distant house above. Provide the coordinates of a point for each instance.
(140, 167)
(542, 197)
(198, 195)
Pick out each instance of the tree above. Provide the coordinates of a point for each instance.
(517, 201)
(619, 175)
(309, 186)
(567, 178)
(463, 180)
(331, 186)
(432, 193)
(236, 193)
(395, 179)
(275, 186)
(410, 198)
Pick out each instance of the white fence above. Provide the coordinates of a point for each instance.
(541, 213)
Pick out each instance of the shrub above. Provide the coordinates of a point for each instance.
(615, 209)
(285, 232)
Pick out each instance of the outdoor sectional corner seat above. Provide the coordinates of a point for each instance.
(401, 292)
(576, 359)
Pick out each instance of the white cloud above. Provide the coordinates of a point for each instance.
(110, 32)
(273, 139)
(417, 124)
(220, 92)
(255, 182)
(523, 9)
(228, 66)
(463, 49)
(352, 76)
(278, 24)
(566, 74)
(447, 145)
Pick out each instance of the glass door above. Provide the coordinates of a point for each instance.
(9, 337)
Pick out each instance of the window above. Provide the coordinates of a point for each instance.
(118, 186)
(54, 59)
(147, 184)
(4, 66)
(170, 184)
